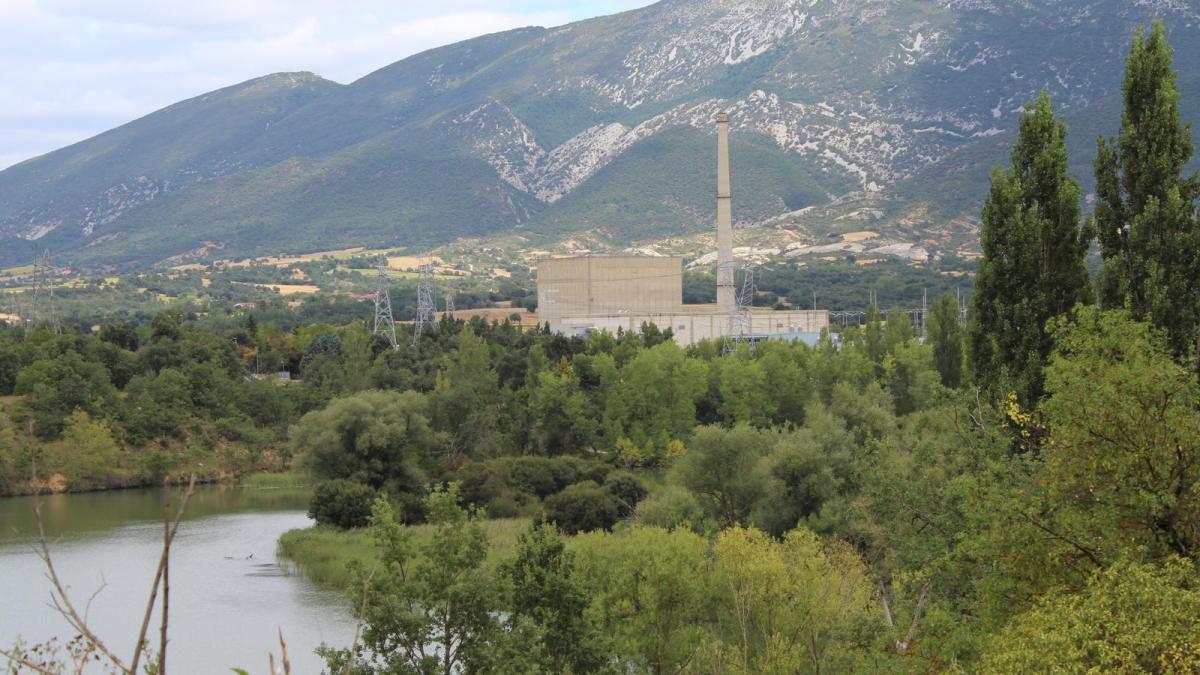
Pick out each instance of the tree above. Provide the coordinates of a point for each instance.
(742, 384)
(158, 405)
(1145, 208)
(379, 438)
(1130, 618)
(560, 413)
(55, 388)
(649, 592)
(784, 601)
(466, 398)
(87, 455)
(654, 400)
(583, 507)
(431, 607)
(945, 335)
(546, 591)
(1033, 258)
(342, 503)
(725, 469)
(1123, 463)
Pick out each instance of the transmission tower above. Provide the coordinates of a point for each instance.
(739, 320)
(449, 313)
(42, 303)
(426, 310)
(384, 325)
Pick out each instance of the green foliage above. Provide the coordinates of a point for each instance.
(626, 489)
(1123, 465)
(1032, 268)
(546, 591)
(784, 603)
(1129, 618)
(56, 388)
(673, 506)
(583, 507)
(647, 587)
(87, 455)
(465, 398)
(723, 467)
(430, 605)
(654, 402)
(945, 335)
(379, 438)
(341, 503)
(1146, 209)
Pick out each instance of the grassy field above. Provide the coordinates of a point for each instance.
(323, 553)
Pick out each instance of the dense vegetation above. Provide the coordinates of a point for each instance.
(1022, 495)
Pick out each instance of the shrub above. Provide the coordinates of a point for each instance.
(673, 507)
(627, 489)
(341, 503)
(583, 507)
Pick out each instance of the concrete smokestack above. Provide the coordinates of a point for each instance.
(726, 290)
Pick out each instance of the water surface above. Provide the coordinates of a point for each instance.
(229, 594)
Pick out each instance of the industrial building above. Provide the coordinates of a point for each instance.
(581, 294)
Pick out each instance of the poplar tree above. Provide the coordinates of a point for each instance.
(1033, 257)
(946, 337)
(1145, 208)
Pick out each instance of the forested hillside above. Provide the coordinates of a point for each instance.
(866, 110)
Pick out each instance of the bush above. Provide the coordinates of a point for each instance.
(344, 504)
(544, 476)
(627, 489)
(673, 507)
(583, 507)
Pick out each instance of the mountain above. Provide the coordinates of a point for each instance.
(846, 114)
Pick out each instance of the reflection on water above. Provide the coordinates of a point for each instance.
(229, 594)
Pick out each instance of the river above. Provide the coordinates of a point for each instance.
(229, 594)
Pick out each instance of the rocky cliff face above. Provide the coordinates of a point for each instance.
(598, 125)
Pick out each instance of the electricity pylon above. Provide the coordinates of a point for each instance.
(42, 304)
(426, 309)
(384, 325)
(739, 322)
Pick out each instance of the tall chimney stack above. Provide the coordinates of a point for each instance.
(726, 290)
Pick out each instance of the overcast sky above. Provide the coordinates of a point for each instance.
(73, 68)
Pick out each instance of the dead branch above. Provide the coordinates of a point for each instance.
(158, 575)
(887, 607)
(902, 647)
(287, 665)
(166, 601)
(62, 603)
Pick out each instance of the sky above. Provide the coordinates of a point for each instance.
(74, 68)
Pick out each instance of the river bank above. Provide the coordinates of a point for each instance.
(323, 553)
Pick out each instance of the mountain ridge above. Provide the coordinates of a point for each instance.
(548, 130)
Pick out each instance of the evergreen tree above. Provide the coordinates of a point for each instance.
(1145, 210)
(945, 336)
(1033, 257)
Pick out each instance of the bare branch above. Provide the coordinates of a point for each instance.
(916, 620)
(158, 575)
(287, 665)
(14, 657)
(887, 608)
(166, 601)
(62, 603)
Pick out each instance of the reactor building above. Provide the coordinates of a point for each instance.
(581, 294)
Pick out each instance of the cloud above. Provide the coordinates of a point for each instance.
(75, 68)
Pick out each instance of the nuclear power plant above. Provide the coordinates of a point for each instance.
(581, 294)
